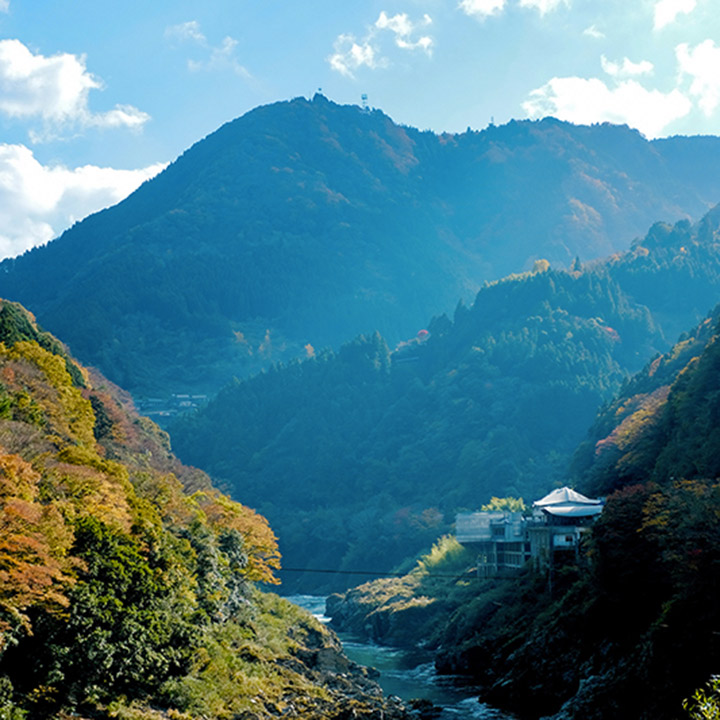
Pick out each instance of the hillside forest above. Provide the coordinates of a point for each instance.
(358, 456)
(625, 628)
(392, 326)
(128, 584)
(307, 223)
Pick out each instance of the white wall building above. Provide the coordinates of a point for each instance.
(505, 541)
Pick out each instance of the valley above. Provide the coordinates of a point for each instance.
(358, 329)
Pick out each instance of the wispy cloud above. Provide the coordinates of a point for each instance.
(482, 8)
(351, 53)
(38, 202)
(187, 31)
(590, 100)
(55, 89)
(222, 57)
(627, 68)
(404, 30)
(4, 6)
(666, 11)
(544, 6)
(593, 32)
(702, 64)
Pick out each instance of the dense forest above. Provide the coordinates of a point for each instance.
(127, 582)
(306, 222)
(362, 455)
(627, 630)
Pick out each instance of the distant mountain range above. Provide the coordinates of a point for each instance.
(362, 456)
(304, 223)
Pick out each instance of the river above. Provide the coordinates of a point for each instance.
(409, 674)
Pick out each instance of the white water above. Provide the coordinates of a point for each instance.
(409, 674)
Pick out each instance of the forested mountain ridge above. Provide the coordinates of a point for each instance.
(360, 456)
(640, 615)
(309, 222)
(623, 629)
(127, 582)
(663, 426)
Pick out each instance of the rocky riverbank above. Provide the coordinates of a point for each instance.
(351, 690)
(410, 610)
(397, 620)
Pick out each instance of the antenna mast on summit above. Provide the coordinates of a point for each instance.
(364, 101)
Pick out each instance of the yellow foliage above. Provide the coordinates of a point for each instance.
(165, 493)
(34, 542)
(79, 455)
(511, 504)
(260, 541)
(69, 414)
(96, 487)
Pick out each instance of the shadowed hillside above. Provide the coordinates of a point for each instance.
(362, 456)
(309, 222)
(624, 628)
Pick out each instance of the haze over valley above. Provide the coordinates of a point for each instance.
(425, 303)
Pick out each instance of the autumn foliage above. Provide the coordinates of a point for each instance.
(114, 558)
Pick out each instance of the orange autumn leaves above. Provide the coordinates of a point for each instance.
(260, 541)
(34, 544)
(56, 468)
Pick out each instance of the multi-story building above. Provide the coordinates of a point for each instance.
(505, 540)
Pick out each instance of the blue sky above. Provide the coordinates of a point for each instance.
(97, 96)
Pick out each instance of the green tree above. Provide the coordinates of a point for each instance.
(511, 504)
(704, 704)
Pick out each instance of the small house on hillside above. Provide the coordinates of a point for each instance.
(506, 540)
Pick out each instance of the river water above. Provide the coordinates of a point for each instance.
(409, 674)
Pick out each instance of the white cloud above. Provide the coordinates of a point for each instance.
(186, 31)
(38, 202)
(587, 101)
(702, 64)
(56, 90)
(627, 68)
(4, 5)
(351, 54)
(544, 6)
(221, 57)
(667, 10)
(482, 8)
(403, 28)
(593, 32)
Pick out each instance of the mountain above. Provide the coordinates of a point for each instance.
(305, 223)
(623, 629)
(631, 635)
(662, 426)
(363, 456)
(128, 584)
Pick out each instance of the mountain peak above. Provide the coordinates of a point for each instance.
(307, 221)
